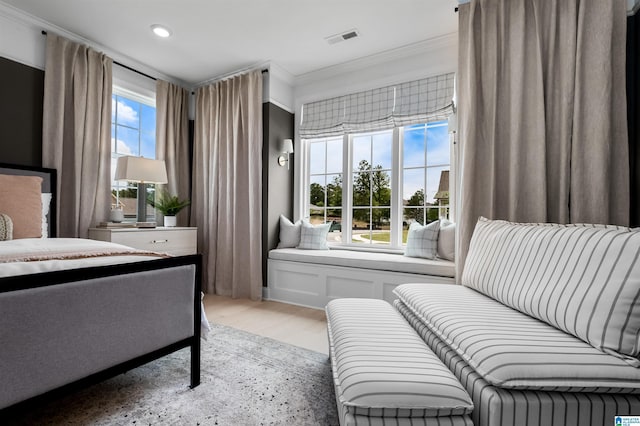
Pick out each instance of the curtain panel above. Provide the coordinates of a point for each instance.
(414, 102)
(172, 141)
(542, 113)
(76, 133)
(227, 185)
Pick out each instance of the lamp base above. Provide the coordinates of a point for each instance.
(146, 224)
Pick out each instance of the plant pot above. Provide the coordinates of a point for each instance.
(169, 221)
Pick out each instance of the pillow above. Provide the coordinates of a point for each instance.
(314, 237)
(20, 199)
(422, 241)
(447, 240)
(289, 233)
(46, 203)
(6, 227)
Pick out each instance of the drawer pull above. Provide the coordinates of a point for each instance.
(160, 241)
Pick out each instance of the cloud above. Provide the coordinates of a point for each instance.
(125, 112)
(122, 147)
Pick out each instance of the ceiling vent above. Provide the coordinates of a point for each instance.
(347, 35)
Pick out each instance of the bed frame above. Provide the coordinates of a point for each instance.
(64, 330)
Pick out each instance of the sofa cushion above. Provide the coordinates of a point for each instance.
(510, 349)
(382, 368)
(367, 260)
(583, 279)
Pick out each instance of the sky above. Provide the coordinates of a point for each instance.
(135, 133)
(377, 149)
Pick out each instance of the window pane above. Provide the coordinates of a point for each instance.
(316, 157)
(334, 156)
(380, 188)
(127, 112)
(413, 185)
(438, 150)
(113, 138)
(148, 132)
(127, 142)
(334, 190)
(382, 147)
(361, 189)
(361, 231)
(316, 192)
(361, 152)
(414, 145)
(437, 185)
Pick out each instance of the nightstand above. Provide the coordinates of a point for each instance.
(176, 240)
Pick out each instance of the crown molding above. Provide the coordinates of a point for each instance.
(411, 50)
(36, 24)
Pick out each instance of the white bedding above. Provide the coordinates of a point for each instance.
(57, 252)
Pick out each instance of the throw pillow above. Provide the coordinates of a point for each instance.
(289, 233)
(447, 240)
(422, 241)
(6, 227)
(314, 237)
(20, 199)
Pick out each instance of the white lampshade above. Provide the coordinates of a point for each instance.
(287, 146)
(139, 169)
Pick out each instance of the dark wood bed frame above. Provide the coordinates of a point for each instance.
(25, 282)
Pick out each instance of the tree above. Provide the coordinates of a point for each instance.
(371, 188)
(316, 195)
(334, 192)
(417, 199)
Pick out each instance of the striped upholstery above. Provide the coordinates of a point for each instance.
(512, 350)
(508, 407)
(384, 372)
(582, 279)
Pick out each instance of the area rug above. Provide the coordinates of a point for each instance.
(246, 380)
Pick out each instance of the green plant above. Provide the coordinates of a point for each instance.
(167, 204)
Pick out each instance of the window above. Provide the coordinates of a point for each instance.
(394, 178)
(133, 132)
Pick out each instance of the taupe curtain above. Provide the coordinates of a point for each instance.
(76, 132)
(542, 113)
(227, 185)
(172, 141)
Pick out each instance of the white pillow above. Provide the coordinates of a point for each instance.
(422, 241)
(46, 202)
(289, 233)
(447, 240)
(314, 237)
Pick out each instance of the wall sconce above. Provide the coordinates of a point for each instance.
(287, 150)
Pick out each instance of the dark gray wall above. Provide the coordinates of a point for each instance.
(277, 181)
(21, 95)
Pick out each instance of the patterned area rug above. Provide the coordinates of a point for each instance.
(246, 380)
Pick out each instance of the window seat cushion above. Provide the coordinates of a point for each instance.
(367, 260)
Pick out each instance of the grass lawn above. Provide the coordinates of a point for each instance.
(386, 236)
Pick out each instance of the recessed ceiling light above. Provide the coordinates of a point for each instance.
(161, 30)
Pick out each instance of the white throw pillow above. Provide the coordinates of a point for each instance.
(46, 202)
(422, 241)
(447, 240)
(314, 237)
(289, 233)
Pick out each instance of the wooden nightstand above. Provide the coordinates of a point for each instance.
(176, 241)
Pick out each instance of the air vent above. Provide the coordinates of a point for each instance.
(347, 35)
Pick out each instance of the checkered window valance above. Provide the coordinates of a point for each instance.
(414, 102)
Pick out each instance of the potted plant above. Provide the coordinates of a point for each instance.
(169, 205)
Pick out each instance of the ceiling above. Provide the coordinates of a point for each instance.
(212, 38)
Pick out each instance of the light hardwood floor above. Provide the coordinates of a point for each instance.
(296, 325)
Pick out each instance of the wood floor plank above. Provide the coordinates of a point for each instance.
(295, 325)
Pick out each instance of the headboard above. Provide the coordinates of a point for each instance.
(49, 184)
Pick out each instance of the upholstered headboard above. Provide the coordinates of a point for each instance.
(49, 179)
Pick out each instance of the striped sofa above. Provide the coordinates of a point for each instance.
(545, 328)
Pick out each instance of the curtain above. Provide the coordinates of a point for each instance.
(413, 102)
(172, 141)
(76, 133)
(542, 113)
(227, 185)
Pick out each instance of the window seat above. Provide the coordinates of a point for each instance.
(314, 277)
(368, 260)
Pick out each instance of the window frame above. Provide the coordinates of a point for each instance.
(396, 177)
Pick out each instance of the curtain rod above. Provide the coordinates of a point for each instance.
(124, 66)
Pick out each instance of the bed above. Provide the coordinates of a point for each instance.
(74, 312)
